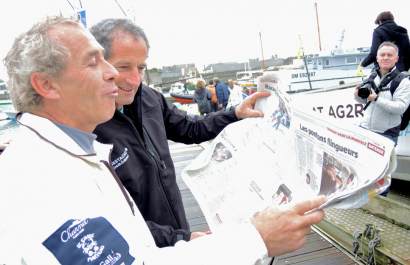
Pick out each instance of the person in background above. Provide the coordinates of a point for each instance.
(342, 82)
(384, 114)
(222, 93)
(235, 97)
(245, 91)
(202, 97)
(214, 101)
(388, 30)
(231, 85)
(186, 92)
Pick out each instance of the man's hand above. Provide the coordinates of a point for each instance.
(372, 96)
(246, 108)
(356, 93)
(284, 229)
(196, 235)
(220, 106)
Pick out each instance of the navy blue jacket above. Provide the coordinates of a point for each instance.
(222, 93)
(390, 31)
(142, 160)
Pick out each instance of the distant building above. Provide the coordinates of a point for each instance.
(224, 67)
(179, 70)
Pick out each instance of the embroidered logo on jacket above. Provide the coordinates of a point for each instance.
(121, 160)
(89, 241)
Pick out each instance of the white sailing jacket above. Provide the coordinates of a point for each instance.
(59, 205)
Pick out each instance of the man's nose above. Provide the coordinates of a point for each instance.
(134, 79)
(110, 73)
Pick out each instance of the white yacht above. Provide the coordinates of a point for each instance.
(329, 68)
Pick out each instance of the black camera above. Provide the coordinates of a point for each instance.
(365, 89)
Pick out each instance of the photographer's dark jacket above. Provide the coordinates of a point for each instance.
(384, 115)
(390, 31)
(142, 160)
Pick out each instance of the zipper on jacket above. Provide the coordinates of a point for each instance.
(149, 150)
(152, 155)
(161, 183)
(162, 161)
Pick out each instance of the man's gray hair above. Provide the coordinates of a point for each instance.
(36, 50)
(216, 79)
(388, 44)
(107, 29)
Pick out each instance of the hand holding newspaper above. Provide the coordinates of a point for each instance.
(288, 155)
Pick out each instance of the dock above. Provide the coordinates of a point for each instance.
(317, 250)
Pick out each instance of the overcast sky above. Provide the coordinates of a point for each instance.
(212, 31)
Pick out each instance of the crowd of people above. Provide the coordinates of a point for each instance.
(221, 95)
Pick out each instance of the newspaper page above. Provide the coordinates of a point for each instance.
(288, 155)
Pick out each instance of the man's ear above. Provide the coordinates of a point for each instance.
(45, 86)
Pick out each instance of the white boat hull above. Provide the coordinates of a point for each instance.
(298, 79)
(6, 105)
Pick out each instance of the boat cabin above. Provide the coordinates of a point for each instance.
(338, 59)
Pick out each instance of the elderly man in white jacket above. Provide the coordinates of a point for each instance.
(60, 200)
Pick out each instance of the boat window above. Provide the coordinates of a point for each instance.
(327, 62)
(319, 62)
(310, 62)
(350, 59)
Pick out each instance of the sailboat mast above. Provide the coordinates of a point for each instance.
(318, 30)
(263, 59)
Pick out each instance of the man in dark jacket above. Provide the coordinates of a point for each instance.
(388, 30)
(222, 93)
(141, 126)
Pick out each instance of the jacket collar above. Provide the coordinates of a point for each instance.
(134, 110)
(386, 74)
(49, 132)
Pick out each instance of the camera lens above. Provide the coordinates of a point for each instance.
(364, 90)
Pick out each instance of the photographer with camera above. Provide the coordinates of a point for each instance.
(386, 93)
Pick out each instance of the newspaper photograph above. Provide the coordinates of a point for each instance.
(288, 155)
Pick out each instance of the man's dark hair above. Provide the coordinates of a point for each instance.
(211, 82)
(105, 31)
(383, 17)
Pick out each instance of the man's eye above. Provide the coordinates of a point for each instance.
(93, 63)
(122, 67)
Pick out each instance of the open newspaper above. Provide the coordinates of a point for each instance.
(287, 155)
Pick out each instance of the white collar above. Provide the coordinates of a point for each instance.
(49, 132)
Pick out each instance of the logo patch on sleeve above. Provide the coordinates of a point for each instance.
(89, 241)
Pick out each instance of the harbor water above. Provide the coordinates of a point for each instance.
(8, 129)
